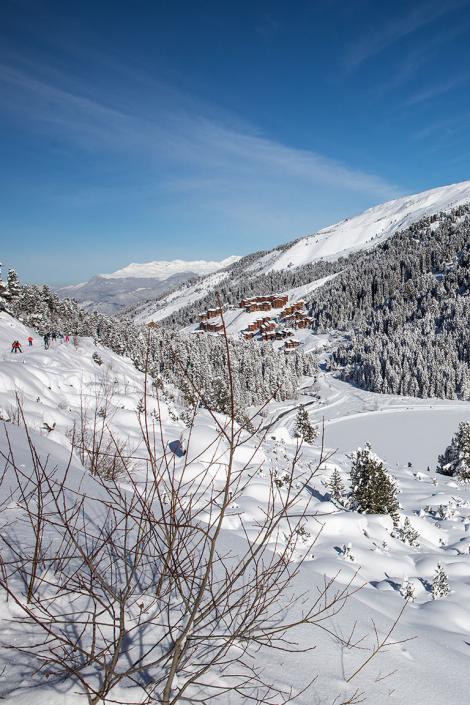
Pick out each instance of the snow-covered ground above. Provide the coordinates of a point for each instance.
(178, 299)
(432, 668)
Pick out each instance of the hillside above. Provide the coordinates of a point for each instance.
(304, 260)
(328, 542)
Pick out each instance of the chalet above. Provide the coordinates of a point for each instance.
(279, 301)
(267, 326)
(153, 324)
(213, 312)
(214, 327)
(291, 345)
(282, 334)
(275, 301)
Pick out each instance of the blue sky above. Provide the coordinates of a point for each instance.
(157, 130)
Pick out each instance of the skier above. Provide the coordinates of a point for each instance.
(46, 341)
(67, 338)
(16, 346)
(30, 341)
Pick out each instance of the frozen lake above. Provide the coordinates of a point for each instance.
(416, 435)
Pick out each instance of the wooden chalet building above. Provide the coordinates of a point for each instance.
(291, 345)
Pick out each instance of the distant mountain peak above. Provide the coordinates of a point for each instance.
(164, 269)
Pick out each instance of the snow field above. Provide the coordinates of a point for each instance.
(64, 378)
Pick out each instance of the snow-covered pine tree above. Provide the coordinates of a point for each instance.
(303, 428)
(373, 489)
(440, 584)
(408, 534)
(456, 458)
(336, 487)
(4, 297)
(13, 284)
(407, 590)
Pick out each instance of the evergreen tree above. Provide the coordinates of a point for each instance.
(440, 585)
(4, 296)
(407, 590)
(408, 534)
(455, 460)
(336, 487)
(373, 490)
(13, 284)
(303, 428)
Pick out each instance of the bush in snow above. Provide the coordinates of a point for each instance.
(283, 479)
(303, 428)
(346, 552)
(456, 458)
(440, 585)
(96, 358)
(407, 590)
(374, 491)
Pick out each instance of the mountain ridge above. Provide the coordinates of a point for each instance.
(329, 245)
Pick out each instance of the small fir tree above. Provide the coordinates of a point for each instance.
(336, 487)
(408, 534)
(440, 584)
(374, 490)
(303, 428)
(455, 460)
(407, 590)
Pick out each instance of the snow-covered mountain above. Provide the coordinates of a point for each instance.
(163, 270)
(360, 232)
(138, 282)
(371, 227)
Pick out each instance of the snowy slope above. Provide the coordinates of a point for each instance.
(359, 232)
(371, 227)
(431, 669)
(179, 298)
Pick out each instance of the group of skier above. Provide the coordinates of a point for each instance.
(54, 335)
(47, 337)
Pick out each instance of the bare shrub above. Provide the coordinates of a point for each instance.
(134, 585)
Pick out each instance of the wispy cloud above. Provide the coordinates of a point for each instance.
(205, 148)
(436, 89)
(378, 38)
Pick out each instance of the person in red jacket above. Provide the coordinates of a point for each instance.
(16, 346)
(30, 341)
